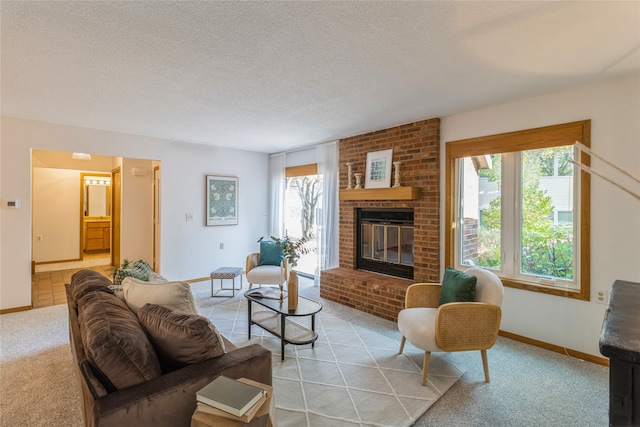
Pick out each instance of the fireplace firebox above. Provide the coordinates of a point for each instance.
(385, 241)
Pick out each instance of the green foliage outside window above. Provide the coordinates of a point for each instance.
(546, 248)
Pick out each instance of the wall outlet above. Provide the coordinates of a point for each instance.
(602, 296)
(188, 217)
(221, 246)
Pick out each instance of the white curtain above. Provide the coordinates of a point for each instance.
(328, 169)
(276, 201)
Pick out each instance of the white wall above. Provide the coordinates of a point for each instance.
(136, 231)
(188, 249)
(56, 214)
(614, 110)
(305, 156)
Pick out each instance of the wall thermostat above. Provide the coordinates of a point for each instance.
(12, 204)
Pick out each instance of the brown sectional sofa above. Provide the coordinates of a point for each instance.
(128, 385)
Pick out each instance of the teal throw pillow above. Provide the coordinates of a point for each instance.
(270, 253)
(457, 286)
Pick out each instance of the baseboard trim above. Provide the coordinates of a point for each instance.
(15, 309)
(556, 348)
(57, 261)
(201, 279)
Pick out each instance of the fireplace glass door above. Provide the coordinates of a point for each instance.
(387, 243)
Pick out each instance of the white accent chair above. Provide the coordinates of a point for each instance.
(456, 326)
(264, 274)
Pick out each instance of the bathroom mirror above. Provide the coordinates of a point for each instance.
(96, 195)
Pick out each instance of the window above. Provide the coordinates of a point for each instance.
(517, 207)
(565, 217)
(302, 203)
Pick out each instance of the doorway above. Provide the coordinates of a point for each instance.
(95, 217)
(59, 195)
(302, 203)
(58, 205)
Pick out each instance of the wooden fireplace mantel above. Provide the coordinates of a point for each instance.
(393, 193)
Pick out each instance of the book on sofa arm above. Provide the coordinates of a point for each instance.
(268, 293)
(230, 395)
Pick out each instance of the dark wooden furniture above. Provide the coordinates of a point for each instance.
(277, 322)
(620, 342)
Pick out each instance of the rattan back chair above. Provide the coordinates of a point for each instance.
(457, 326)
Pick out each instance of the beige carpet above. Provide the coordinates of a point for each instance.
(37, 384)
(353, 377)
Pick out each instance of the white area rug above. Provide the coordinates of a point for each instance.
(353, 376)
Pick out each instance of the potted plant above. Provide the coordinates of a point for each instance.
(292, 249)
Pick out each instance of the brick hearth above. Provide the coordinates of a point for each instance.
(417, 146)
(372, 293)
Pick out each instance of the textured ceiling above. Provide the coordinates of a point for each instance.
(272, 76)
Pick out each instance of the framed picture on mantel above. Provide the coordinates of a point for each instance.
(222, 200)
(378, 169)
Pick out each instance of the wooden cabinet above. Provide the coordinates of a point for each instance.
(619, 342)
(97, 236)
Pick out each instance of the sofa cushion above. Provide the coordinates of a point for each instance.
(139, 269)
(270, 253)
(174, 294)
(457, 286)
(266, 275)
(153, 278)
(115, 342)
(86, 281)
(416, 325)
(180, 338)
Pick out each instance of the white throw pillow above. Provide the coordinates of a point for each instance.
(173, 294)
(156, 278)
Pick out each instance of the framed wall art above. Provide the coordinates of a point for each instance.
(222, 200)
(378, 169)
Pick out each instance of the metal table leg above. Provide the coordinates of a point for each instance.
(249, 318)
(282, 324)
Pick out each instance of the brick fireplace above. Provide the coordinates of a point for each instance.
(417, 146)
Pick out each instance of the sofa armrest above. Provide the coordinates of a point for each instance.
(169, 400)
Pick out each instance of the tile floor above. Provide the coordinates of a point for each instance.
(47, 284)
